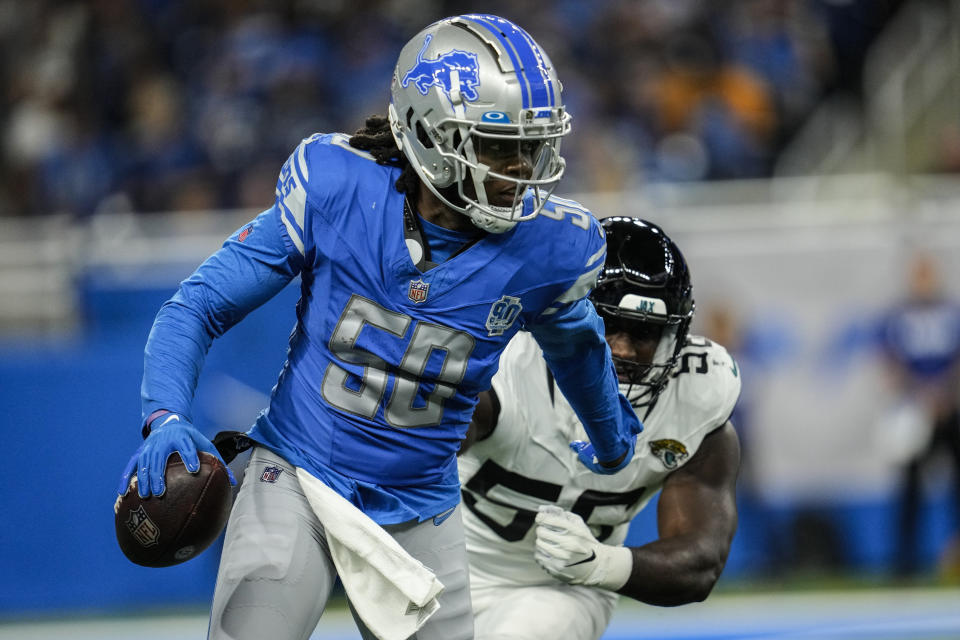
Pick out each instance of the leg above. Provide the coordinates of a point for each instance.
(275, 571)
(442, 549)
(542, 612)
(952, 442)
(910, 502)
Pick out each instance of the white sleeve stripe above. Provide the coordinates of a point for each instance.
(291, 194)
(596, 256)
(581, 287)
(302, 162)
(567, 202)
(294, 205)
(292, 230)
(296, 199)
(343, 141)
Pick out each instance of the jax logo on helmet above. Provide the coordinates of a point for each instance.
(439, 71)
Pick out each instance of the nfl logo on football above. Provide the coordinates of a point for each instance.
(418, 290)
(142, 527)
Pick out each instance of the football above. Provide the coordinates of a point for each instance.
(160, 531)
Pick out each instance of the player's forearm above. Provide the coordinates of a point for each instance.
(172, 360)
(674, 572)
(593, 393)
(578, 356)
(251, 267)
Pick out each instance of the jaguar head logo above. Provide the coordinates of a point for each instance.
(670, 452)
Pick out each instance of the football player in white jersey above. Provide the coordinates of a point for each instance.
(544, 535)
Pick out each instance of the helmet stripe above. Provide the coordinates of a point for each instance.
(529, 67)
(540, 65)
(517, 66)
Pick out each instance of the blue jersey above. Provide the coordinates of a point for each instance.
(924, 337)
(386, 362)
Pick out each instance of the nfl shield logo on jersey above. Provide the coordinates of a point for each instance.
(418, 290)
(270, 474)
(502, 314)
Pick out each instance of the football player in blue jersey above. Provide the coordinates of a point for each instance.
(423, 243)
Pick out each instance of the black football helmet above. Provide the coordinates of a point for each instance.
(644, 290)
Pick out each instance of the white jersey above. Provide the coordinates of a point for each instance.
(527, 460)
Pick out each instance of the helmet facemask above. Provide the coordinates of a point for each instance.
(642, 381)
(533, 160)
(464, 170)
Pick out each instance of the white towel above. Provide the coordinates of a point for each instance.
(393, 592)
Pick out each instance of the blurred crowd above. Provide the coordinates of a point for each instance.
(160, 105)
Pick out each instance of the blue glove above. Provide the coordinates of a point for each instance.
(172, 434)
(588, 456)
(632, 425)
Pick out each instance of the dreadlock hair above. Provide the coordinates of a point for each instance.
(376, 139)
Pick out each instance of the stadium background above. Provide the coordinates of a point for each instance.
(800, 151)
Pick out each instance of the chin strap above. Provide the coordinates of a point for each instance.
(413, 236)
(489, 223)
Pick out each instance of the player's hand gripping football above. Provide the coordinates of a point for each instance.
(567, 550)
(170, 433)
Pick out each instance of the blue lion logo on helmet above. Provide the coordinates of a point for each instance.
(437, 71)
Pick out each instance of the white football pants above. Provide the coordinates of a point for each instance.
(542, 612)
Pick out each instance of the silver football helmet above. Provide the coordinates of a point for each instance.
(473, 83)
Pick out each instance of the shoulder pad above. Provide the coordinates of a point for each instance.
(569, 240)
(320, 171)
(706, 382)
(573, 212)
(327, 160)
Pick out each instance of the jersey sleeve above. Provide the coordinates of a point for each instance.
(253, 265)
(570, 333)
(707, 399)
(593, 247)
(578, 355)
(291, 194)
(730, 390)
(721, 399)
(312, 188)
